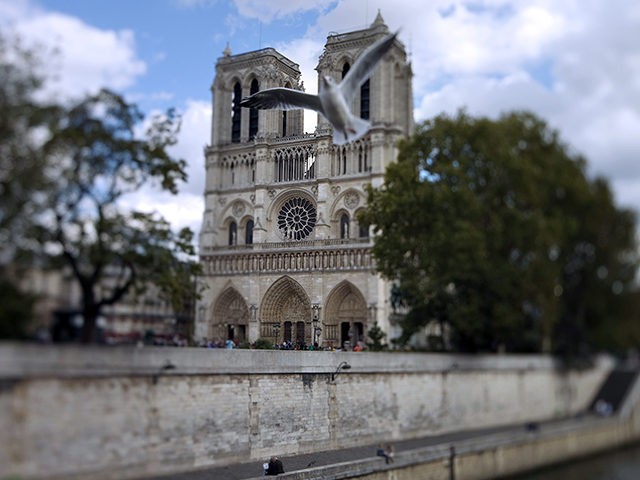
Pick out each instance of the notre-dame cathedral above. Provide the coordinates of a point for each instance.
(283, 253)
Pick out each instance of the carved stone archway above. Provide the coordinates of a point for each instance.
(285, 313)
(345, 318)
(230, 317)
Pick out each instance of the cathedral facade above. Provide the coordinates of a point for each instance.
(284, 257)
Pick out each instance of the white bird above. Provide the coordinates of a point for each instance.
(334, 99)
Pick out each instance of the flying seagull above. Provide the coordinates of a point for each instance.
(334, 99)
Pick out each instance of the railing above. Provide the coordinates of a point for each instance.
(288, 245)
(293, 138)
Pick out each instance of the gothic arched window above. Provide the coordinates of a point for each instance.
(363, 160)
(248, 233)
(345, 68)
(284, 123)
(364, 100)
(284, 115)
(344, 226)
(233, 233)
(363, 230)
(253, 112)
(236, 113)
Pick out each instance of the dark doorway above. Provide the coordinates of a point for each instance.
(345, 334)
(241, 332)
(358, 333)
(300, 333)
(237, 333)
(287, 331)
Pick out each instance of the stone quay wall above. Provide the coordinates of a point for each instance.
(122, 412)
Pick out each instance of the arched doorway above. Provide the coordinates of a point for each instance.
(285, 313)
(230, 317)
(345, 320)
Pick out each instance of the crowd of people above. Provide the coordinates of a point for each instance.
(286, 345)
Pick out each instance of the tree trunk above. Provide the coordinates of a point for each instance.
(90, 312)
(90, 317)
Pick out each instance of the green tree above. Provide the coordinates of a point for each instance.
(376, 338)
(16, 310)
(493, 228)
(23, 121)
(95, 159)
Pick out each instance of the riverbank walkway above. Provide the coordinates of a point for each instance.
(441, 445)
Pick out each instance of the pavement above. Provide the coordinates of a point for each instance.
(251, 470)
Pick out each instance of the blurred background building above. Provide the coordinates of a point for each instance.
(144, 317)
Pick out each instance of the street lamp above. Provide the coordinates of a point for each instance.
(315, 320)
(341, 366)
(167, 366)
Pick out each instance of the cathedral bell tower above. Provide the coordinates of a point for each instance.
(238, 76)
(285, 258)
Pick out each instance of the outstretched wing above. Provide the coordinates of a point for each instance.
(282, 99)
(364, 66)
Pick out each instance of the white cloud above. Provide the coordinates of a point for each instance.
(181, 210)
(575, 63)
(274, 9)
(87, 58)
(186, 208)
(195, 134)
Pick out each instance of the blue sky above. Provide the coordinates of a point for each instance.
(178, 41)
(576, 63)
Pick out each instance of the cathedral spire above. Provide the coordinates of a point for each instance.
(379, 21)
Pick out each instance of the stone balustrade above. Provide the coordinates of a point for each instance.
(265, 261)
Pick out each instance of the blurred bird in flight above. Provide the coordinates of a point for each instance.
(334, 99)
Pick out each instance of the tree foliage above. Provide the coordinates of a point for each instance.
(16, 310)
(23, 122)
(95, 158)
(23, 119)
(376, 338)
(65, 174)
(494, 228)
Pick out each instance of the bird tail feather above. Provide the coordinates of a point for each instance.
(356, 128)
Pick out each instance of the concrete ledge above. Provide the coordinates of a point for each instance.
(32, 360)
(493, 456)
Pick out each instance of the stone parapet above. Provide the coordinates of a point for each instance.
(31, 360)
(126, 412)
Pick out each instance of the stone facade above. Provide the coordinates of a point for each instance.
(284, 255)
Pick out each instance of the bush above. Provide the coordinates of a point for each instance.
(263, 344)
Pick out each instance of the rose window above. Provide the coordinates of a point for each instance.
(297, 218)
